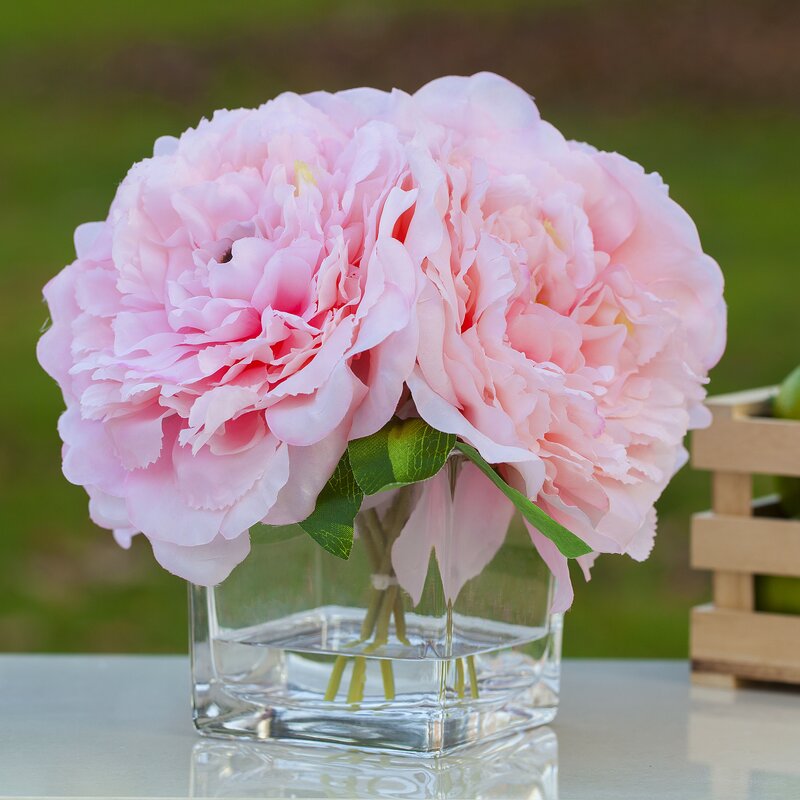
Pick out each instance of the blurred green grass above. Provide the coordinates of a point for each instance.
(64, 585)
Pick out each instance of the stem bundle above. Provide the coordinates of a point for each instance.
(385, 603)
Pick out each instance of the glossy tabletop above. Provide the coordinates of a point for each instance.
(119, 726)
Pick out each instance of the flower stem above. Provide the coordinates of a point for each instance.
(368, 625)
(373, 543)
(473, 677)
(336, 677)
(383, 618)
(388, 679)
(378, 538)
(355, 694)
(459, 677)
(400, 620)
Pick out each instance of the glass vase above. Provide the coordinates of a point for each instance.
(299, 645)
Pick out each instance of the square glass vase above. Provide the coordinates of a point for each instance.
(299, 645)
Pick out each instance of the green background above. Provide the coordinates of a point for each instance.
(705, 93)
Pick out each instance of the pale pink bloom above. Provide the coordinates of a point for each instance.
(568, 320)
(265, 287)
(247, 307)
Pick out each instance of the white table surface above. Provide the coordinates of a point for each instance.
(119, 726)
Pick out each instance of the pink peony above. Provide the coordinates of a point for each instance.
(243, 311)
(569, 317)
(266, 288)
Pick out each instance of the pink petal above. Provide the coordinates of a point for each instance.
(642, 543)
(307, 419)
(388, 296)
(322, 365)
(390, 364)
(479, 104)
(96, 292)
(443, 416)
(89, 457)
(254, 506)
(156, 506)
(207, 480)
(124, 537)
(286, 281)
(137, 437)
(309, 469)
(106, 510)
(205, 564)
(431, 517)
(481, 516)
(92, 241)
(213, 409)
(559, 566)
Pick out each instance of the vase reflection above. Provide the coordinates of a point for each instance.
(746, 740)
(521, 766)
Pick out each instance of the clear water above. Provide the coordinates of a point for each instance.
(271, 681)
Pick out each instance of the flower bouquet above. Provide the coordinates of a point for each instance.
(416, 352)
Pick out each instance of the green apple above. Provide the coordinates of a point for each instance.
(787, 406)
(774, 593)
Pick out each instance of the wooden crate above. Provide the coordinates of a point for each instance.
(741, 537)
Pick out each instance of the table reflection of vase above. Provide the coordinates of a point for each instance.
(522, 766)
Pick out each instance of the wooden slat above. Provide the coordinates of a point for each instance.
(732, 494)
(734, 675)
(743, 444)
(758, 545)
(746, 644)
(713, 680)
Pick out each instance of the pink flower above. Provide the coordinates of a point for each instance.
(271, 284)
(568, 319)
(246, 308)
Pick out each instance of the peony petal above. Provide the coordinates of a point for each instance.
(205, 564)
(480, 104)
(327, 359)
(124, 537)
(559, 566)
(255, 505)
(156, 507)
(89, 457)
(481, 516)
(642, 543)
(309, 467)
(390, 364)
(137, 437)
(208, 480)
(439, 414)
(92, 240)
(106, 510)
(307, 419)
(430, 519)
(213, 409)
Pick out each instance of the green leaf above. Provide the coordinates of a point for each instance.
(402, 452)
(566, 541)
(331, 522)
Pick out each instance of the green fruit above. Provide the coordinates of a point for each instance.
(789, 491)
(777, 594)
(787, 406)
(787, 403)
